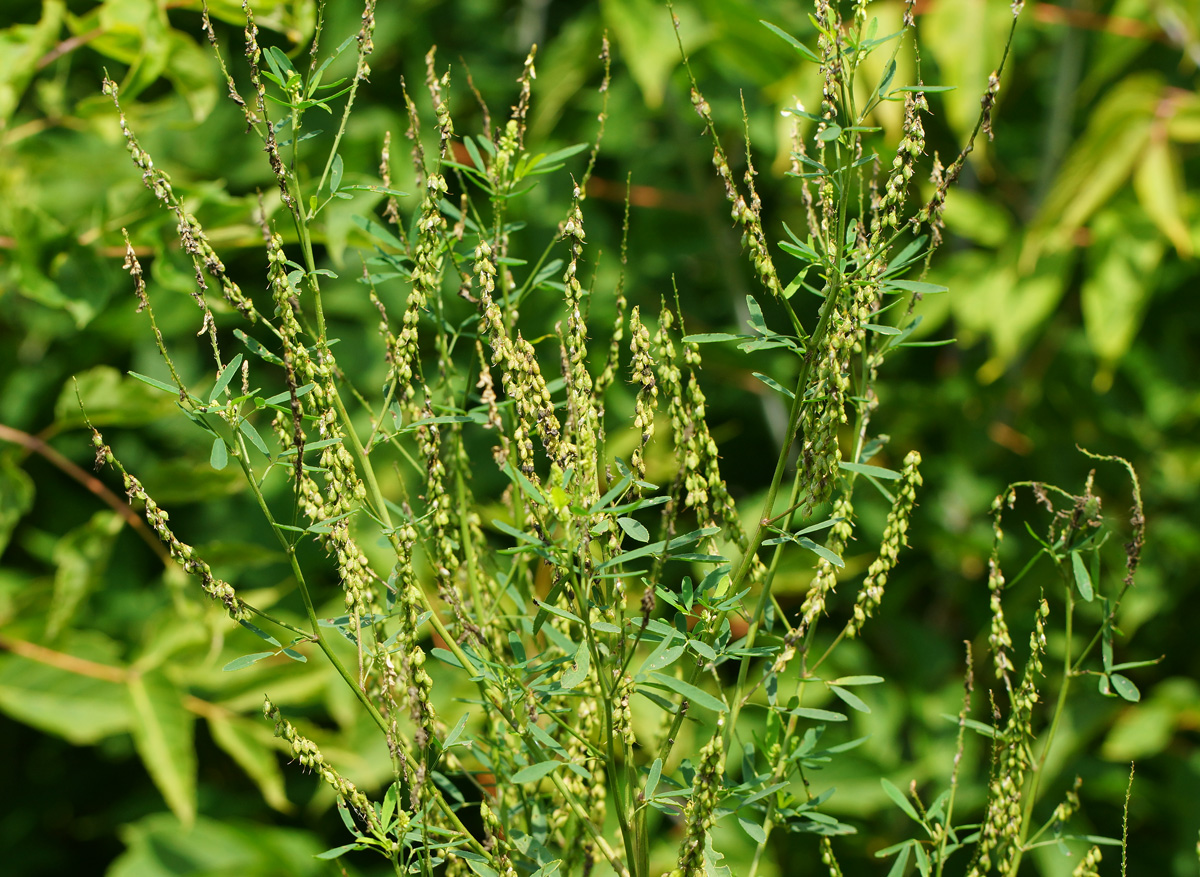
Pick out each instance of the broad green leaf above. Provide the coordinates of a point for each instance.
(110, 399)
(16, 497)
(1122, 267)
(646, 41)
(1151, 728)
(162, 733)
(713, 860)
(247, 743)
(959, 38)
(81, 709)
(22, 46)
(1158, 182)
(157, 846)
(81, 559)
(190, 70)
(1101, 162)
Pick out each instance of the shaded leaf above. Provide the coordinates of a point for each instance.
(162, 733)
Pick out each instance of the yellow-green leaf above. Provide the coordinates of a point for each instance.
(1158, 182)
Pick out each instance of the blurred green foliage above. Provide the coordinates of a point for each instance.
(1073, 281)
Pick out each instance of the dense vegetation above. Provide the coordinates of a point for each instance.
(1069, 260)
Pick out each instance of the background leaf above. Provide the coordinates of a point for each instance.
(162, 732)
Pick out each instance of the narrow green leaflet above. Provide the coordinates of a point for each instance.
(913, 286)
(791, 41)
(899, 798)
(260, 633)
(856, 680)
(162, 735)
(247, 429)
(579, 668)
(901, 864)
(874, 471)
(1125, 687)
(712, 337)
(817, 715)
(753, 829)
(170, 388)
(652, 548)
(697, 696)
(456, 732)
(246, 661)
(633, 529)
(219, 458)
(338, 852)
(774, 385)
(335, 173)
(1083, 581)
(653, 777)
(535, 772)
(976, 726)
(851, 700)
(663, 656)
(226, 377)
